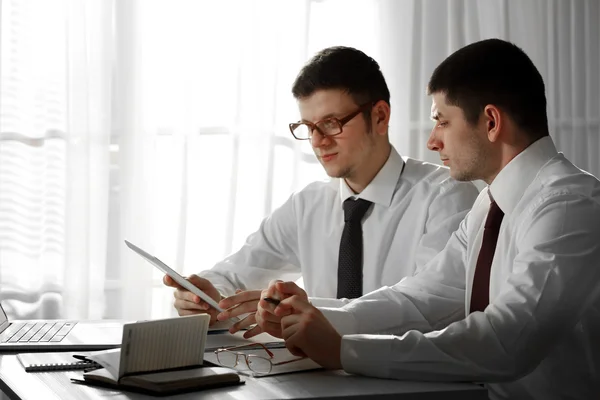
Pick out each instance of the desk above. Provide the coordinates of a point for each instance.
(20, 385)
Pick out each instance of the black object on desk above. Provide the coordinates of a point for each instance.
(164, 383)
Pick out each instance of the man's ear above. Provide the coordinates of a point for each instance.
(493, 122)
(380, 117)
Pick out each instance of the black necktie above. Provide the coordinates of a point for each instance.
(480, 294)
(351, 250)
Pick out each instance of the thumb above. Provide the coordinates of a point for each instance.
(201, 283)
(168, 281)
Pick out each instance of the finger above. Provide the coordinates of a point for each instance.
(289, 321)
(246, 322)
(272, 329)
(295, 303)
(168, 281)
(296, 351)
(266, 306)
(289, 289)
(189, 305)
(184, 294)
(241, 297)
(189, 300)
(271, 290)
(274, 282)
(200, 283)
(292, 342)
(244, 308)
(257, 330)
(192, 311)
(184, 312)
(268, 317)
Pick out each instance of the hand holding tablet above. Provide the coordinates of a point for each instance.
(180, 280)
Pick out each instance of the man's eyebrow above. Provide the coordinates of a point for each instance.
(436, 116)
(322, 118)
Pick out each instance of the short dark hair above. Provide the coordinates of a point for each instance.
(494, 72)
(344, 68)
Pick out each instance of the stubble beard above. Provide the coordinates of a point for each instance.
(347, 172)
(475, 166)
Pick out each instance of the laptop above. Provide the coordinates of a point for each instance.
(58, 335)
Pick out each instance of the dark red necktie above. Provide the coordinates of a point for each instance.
(480, 295)
(350, 262)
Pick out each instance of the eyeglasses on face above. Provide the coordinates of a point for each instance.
(256, 363)
(330, 126)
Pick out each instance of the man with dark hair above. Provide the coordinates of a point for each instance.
(343, 237)
(513, 299)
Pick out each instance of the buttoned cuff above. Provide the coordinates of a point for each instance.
(366, 354)
(328, 302)
(342, 320)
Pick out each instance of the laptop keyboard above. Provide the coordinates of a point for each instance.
(36, 332)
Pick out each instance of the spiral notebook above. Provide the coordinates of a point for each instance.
(45, 362)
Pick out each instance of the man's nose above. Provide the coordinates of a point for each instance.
(434, 143)
(318, 139)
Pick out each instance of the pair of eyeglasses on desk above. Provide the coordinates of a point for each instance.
(228, 357)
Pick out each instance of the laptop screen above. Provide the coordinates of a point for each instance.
(3, 319)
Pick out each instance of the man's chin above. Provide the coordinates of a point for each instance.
(336, 173)
(462, 176)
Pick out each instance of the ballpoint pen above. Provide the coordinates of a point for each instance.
(271, 300)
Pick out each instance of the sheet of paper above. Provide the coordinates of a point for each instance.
(279, 355)
(226, 339)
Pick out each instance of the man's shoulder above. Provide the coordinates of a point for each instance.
(560, 177)
(558, 181)
(436, 177)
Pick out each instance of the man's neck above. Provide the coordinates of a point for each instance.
(364, 177)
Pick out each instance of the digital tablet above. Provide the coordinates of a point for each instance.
(175, 276)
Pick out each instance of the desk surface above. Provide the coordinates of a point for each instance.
(20, 385)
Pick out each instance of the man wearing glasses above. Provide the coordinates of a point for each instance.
(513, 300)
(381, 219)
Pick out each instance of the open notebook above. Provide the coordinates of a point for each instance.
(159, 357)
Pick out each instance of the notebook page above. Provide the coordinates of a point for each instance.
(226, 339)
(163, 344)
(279, 355)
(109, 359)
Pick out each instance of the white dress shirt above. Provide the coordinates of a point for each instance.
(540, 336)
(416, 208)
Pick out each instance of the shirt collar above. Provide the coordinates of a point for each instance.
(381, 189)
(510, 184)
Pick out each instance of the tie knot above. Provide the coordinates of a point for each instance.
(354, 210)
(494, 217)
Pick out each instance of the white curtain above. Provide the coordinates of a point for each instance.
(170, 131)
(165, 122)
(54, 117)
(562, 37)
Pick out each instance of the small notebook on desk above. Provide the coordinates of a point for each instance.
(48, 362)
(159, 357)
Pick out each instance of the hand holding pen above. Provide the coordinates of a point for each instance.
(272, 300)
(269, 311)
